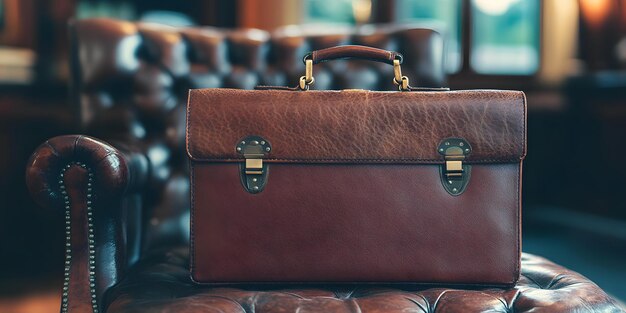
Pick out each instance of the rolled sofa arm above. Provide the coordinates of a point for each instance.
(95, 186)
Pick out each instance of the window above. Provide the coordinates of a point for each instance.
(504, 33)
(334, 11)
(505, 36)
(443, 15)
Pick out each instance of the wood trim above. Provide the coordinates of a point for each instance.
(269, 14)
(19, 23)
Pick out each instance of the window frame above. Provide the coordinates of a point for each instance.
(466, 77)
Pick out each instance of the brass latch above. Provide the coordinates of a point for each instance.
(254, 172)
(254, 166)
(454, 173)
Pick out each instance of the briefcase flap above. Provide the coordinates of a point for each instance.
(356, 126)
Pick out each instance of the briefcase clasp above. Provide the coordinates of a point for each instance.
(254, 171)
(454, 172)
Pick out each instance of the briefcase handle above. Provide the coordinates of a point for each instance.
(354, 52)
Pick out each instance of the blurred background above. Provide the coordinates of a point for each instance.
(569, 56)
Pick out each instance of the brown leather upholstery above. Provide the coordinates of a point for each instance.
(132, 195)
(131, 83)
(161, 283)
(161, 280)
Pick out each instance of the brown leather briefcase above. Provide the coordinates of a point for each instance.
(291, 185)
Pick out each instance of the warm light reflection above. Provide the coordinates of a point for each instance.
(595, 11)
(494, 7)
(124, 53)
(362, 10)
(47, 301)
(257, 34)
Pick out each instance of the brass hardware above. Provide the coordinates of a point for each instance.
(401, 81)
(308, 70)
(454, 168)
(454, 173)
(254, 171)
(254, 166)
(307, 80)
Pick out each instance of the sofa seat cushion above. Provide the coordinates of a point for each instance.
(161, 283)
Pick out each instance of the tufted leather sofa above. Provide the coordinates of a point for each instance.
(126, 200)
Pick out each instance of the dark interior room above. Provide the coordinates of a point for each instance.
(98, 156)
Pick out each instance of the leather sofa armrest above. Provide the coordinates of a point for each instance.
(120, 170)
(96, 186)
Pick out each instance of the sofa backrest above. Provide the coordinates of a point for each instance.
(130, 82)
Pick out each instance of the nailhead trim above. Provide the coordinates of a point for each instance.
(68, 239)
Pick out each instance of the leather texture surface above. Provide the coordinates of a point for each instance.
(355, 223)
(360, 221)
(117, 174)
(357, 126)
(130, 89)
(354, 52)
(161, 283)
(45, 166)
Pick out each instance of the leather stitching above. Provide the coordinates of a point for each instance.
(192, 249)
(518, 226)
